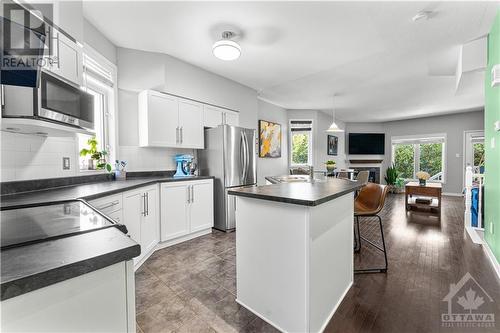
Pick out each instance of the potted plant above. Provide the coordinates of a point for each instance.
(95, 155)
(422, 177)
(330, 166)
(400, 185)
(391, 176)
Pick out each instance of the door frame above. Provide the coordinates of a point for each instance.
(464, 150)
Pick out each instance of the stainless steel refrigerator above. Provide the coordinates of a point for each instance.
(229, 156)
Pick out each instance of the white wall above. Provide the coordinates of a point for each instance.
(273, 166)
(321, 122)
(453, 125)
(139, 70)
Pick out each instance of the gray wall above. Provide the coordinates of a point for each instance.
(274, 166)
(453, 125)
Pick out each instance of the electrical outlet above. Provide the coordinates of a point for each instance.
(66, 163)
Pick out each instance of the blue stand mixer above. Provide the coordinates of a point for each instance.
(184, 163)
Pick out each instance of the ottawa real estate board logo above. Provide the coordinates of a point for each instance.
(469, 305)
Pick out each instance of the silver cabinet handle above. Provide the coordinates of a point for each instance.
(111, 204)
(2, 96)
(143, 204)
(177, 134)
(188, 194)
(147, 203)
(182, 134)
(192, 193)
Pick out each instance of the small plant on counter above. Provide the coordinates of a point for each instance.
(95, 155)
(330, 165)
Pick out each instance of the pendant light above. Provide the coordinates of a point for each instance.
(334, 127)
(226, 49)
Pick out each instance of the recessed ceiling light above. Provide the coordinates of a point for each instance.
(226, 49)
(422, 15)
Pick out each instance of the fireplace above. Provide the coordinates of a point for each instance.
(374, 176)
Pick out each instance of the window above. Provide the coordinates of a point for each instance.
(301, 142)
(99, 77)
(478, 149)
(411, 154)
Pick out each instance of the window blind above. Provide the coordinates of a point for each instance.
(418, 141)
(92, 68)
(300, 125)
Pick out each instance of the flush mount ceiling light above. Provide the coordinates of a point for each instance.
(334, 127)
(226, 49)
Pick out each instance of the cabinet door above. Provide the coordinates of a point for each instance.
(150, 226)
(212, 116)
(202, 206)
(191, 124)
(158, 120)
(232, 118)
(69, 59)
(133, 211)
(174, 204)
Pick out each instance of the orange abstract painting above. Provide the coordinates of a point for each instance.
(269, 139)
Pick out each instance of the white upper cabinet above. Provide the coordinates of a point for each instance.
(191, 124)
(68, 58)
(212, 116)
(169, 121)
(158, 120)
(232, 118)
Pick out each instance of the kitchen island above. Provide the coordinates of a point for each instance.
(294, 251)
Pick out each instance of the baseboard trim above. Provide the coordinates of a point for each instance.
(281, 329)
(492, 258)
(450, 194)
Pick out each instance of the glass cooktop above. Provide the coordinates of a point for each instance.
(25, 225)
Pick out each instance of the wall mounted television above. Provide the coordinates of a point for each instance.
(366, 143)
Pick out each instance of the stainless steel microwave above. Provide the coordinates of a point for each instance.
(54, 100)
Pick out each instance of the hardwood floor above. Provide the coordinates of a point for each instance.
(425, 257)
(191, 287)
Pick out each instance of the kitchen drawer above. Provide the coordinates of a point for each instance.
(425, 191)
(116, 216)
(108, 204)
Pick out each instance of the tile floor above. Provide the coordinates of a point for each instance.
(191, 287)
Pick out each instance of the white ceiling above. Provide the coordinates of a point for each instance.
(378, 62)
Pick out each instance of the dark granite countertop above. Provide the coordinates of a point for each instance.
(311, 193)
(35, 266)
(87, 191)
(31, 267)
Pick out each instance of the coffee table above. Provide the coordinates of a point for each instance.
(431, 190)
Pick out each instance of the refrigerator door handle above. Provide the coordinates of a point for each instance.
(247, 156)
(243, 156)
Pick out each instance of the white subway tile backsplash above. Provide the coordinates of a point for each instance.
(26, 157)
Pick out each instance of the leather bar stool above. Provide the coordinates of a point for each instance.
(369, 203)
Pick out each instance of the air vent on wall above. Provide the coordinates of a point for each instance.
(495, 76)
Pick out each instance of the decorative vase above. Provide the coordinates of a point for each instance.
(330, 168)
(90, 164)
(120, 174)
(422, 182)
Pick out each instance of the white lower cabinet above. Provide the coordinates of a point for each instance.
(140, 216)
(186, 207)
